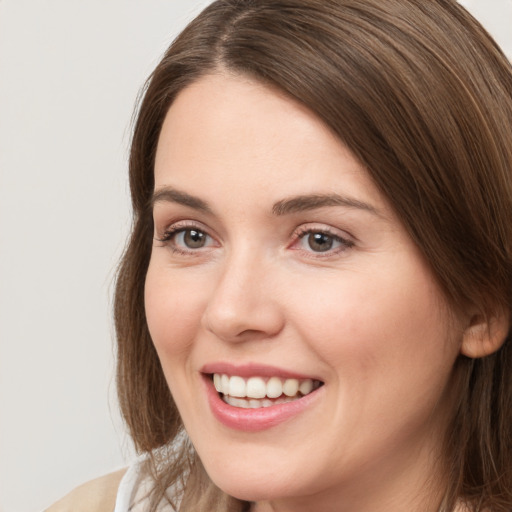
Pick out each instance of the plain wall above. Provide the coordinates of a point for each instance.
(69, 75)
(70, 72)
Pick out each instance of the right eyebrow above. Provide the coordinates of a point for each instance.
(172, 195)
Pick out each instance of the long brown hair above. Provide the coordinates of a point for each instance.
(422, 95)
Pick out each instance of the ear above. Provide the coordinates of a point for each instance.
(484, 335)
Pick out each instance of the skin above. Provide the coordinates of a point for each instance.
(365, 317)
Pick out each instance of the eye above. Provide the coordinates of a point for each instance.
(191, 238)
(321, 241)
(186, 240)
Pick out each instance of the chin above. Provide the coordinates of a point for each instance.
(258, 483)
(247, 484)
(245, 490)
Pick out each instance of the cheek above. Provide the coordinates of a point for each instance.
(173, 312)
(385, 328)
(389, 350)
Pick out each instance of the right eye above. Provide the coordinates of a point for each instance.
(191, 238)
(186, 239)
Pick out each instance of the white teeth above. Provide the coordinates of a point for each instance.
(217, 382)
(290, 387)
(256, 387)
(224, 384)
(274, 387)
(244, 403)
(235, 389)
(237, 402)
(283, 400)
(306, 386)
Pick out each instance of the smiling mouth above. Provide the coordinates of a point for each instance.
(257, 392)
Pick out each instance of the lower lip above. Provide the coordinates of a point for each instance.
(254, 420)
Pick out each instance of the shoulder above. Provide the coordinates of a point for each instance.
(98, 495)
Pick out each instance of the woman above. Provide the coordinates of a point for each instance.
(313, 309)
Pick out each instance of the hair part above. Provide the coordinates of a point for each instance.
(421, 94)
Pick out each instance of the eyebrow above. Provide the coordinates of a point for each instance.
(288, 206)
(172, 195)
(314, 201)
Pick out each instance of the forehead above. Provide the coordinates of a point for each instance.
(227, 131)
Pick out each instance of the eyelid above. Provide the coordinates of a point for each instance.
(167, 234)
(177, 225)
(345, 239)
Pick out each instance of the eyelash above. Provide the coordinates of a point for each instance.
(303, 232)
(167, 239)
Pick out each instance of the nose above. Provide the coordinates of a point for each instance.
(244, 303)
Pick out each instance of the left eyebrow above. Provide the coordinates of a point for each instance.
(314, 201)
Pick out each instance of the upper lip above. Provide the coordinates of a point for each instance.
(252, 370)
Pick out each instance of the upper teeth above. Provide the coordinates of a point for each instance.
(257, 387)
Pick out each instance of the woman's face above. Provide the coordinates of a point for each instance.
(279, 271)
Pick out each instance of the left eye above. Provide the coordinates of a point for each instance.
(191, 238)
(319, 241)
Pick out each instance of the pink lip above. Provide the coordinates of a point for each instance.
(254, 420)
(251, 370)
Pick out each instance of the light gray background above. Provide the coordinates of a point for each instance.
(69, 74)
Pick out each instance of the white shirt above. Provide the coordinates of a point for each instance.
(134, 489)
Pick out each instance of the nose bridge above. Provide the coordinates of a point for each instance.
(241, 304)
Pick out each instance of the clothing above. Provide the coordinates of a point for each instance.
(133, 492)
(98, 495)
(126, 490)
